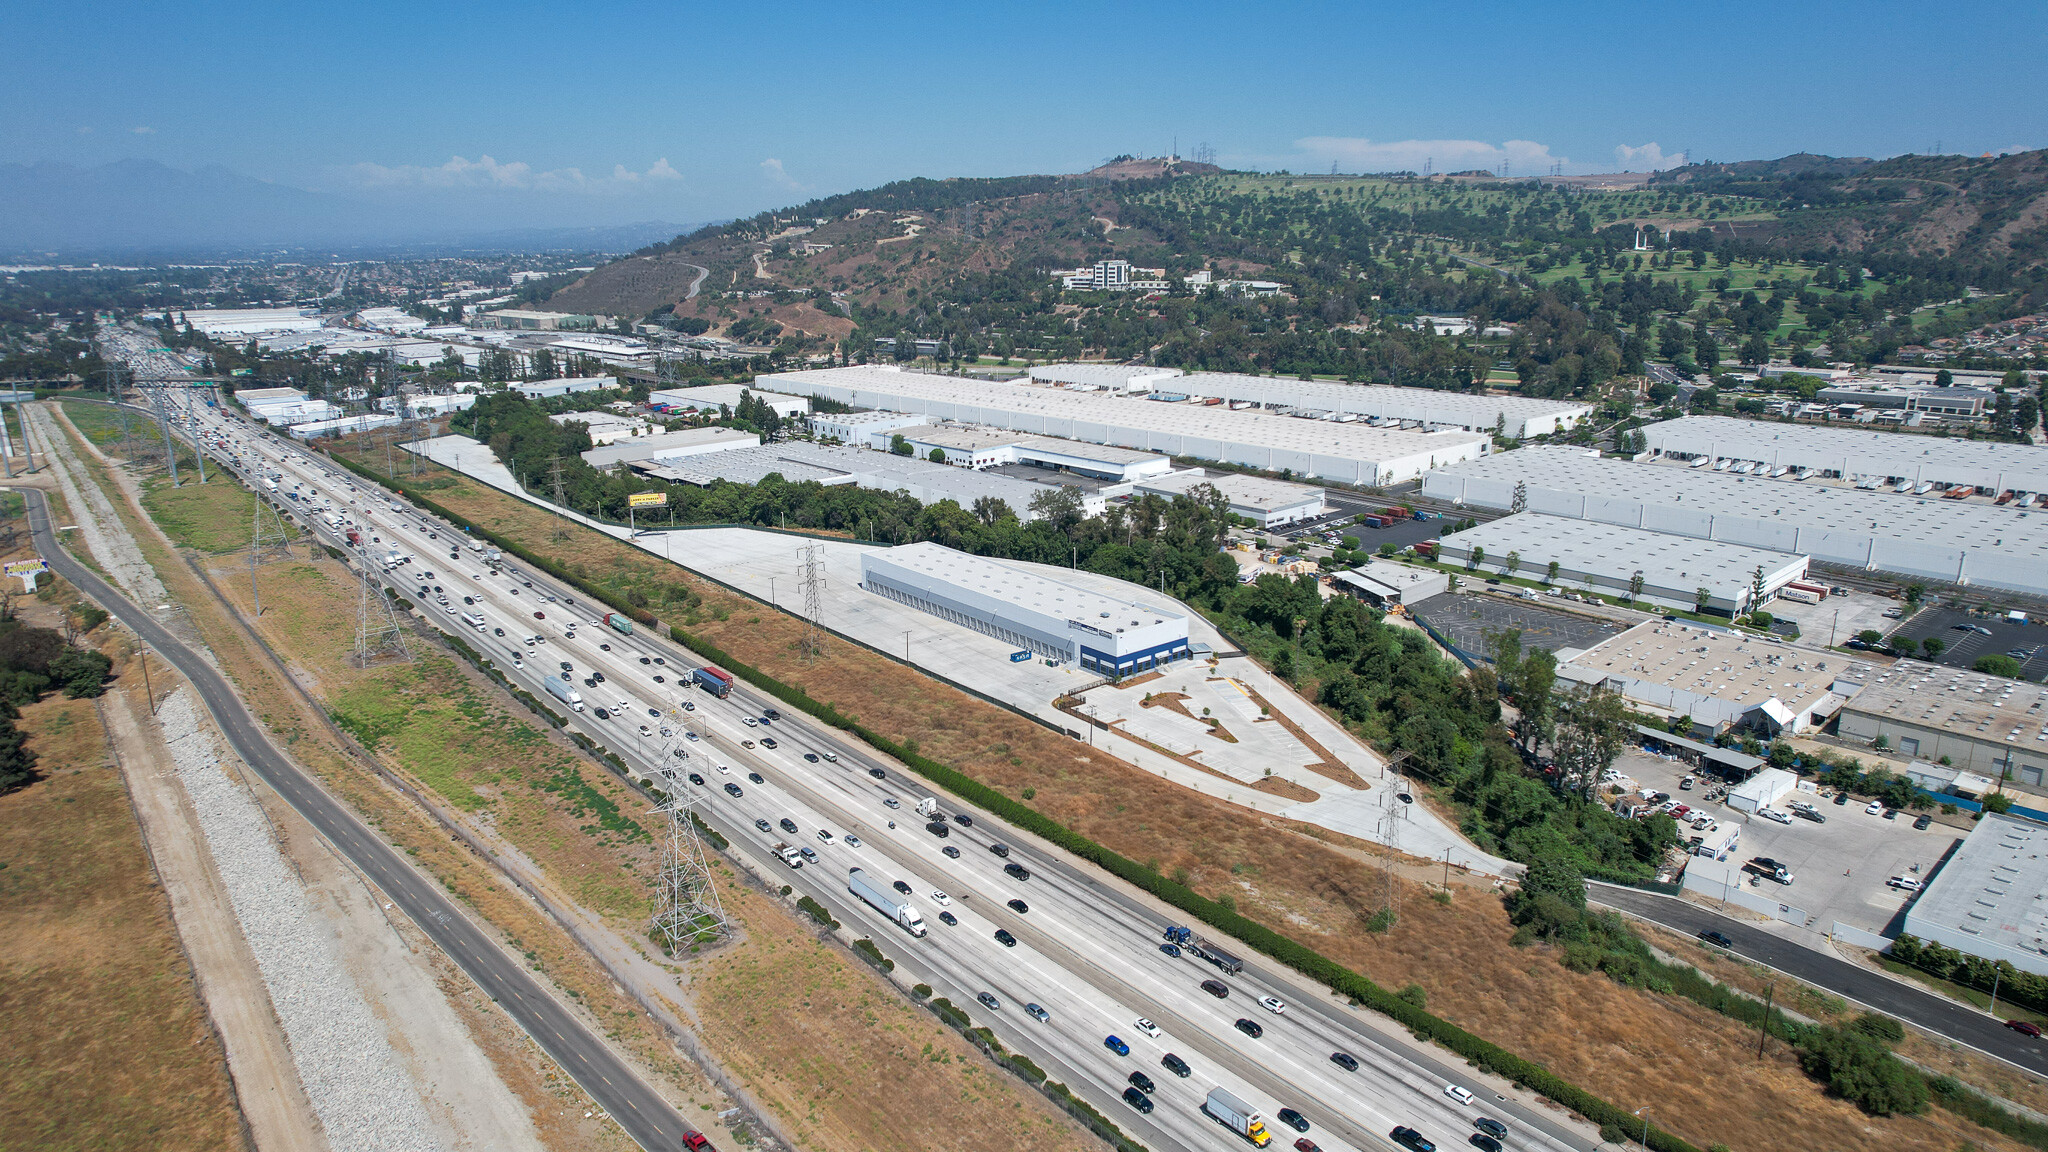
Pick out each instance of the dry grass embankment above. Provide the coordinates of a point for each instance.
(1626, 1045)
(107, 1043)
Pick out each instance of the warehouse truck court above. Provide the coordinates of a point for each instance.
(1468, 618)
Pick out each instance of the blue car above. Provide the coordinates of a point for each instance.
(1116, 1045)
(1170, 949)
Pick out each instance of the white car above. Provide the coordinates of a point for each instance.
(1876, 808)
(938, 897)
(1774, 814)
(689, 735)
(1273, 1004)
(1461, 1094)
(1904, 882)
(853, 841)
(644, 732)
(750, 722)
(1146, 1026)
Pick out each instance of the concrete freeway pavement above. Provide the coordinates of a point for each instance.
(1091, 953)
(610, 1081)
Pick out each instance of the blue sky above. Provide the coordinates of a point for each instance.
(564, 113)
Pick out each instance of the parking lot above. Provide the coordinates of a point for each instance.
(1839, 616)
(1467, 618)
(1839, 868)
(1962, 644)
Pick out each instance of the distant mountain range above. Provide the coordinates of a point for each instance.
(140, 208)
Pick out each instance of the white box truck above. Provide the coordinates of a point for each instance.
(1237, 1116)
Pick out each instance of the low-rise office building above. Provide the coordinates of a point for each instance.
(1266, 503)
(667, 447)
(1608, 558)
(1388, 585)
(979, 446)
(1721, 679)
(1056, 620)
(858, 428)
(607, 427)
(562, 386)
(1980, 723)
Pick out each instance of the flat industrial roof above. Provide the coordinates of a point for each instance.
(1955, 700)
(1726, 666)
(975, 400)
(1027, 590)
(1465, 408)
(794, 462)
(1914, 520)
(1082, 450)
(1611, 549)
(1104, 375)
(965, 437)
(648, 447)
(1991, 885)
(1858, 451)
(1242, 491)
(711, 395)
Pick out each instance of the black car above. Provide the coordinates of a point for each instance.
(1491, 1127)
(767, 741)
(659, 680)
(811, 757)
(697, 780)
(788, 825)
(643, 659)
(568, 667)
(1250, 1028)
(1176, 1065)
(1216, 988)
(499, 631)
(964, 820)
(756, 778)
(948, 918)
(1138, 1100)
(951, 852)
(601, 714)
(1019, 907)
(1004, 938)
(1344, 1060)
(1000, 849)
(1922, 823)
(1017, 871)
(1170, 949)
(900, 886)
(733, 790)
(878, 774)
(764, 826)
(938, 828)
(1143, 1083)
(1483, 1142)
(1412, 1140)
(771, 714)
(1718, 939)
(1292, 1119)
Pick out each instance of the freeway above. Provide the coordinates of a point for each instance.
(1086, 948)
(1937, 1014)
(608, 1078)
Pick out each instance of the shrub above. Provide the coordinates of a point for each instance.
(1882, 1029)
(1862, 1071)
(1414, 994)
(817, 912)
(921, 992)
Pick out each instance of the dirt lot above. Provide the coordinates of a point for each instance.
(1622, 1044)
(108, 1046)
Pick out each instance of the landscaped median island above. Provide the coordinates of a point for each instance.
(1584, 1038)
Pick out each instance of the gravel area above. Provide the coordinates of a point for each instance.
(105, 536)
(344, 1057)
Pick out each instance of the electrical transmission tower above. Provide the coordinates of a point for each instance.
(268, 540)
(1397, 815)
(377, 631)
(811, 577)
(686, 906)
(163, 428)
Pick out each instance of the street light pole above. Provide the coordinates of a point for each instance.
(1645, 1141)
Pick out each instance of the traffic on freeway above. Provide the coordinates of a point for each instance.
(1082, 975)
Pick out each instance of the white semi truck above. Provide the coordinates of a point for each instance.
(558, 687)
(881, 900)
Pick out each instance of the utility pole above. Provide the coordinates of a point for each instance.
(1763, 1021)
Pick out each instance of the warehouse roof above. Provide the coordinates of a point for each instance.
(713, 395)
(793, 462)
(915, 391)
(1593, 546)
(649, 447)
(1935, 522)
(1100, 453)
(1897, 453)
(1469, 409)
(1727, 666)
(1025, 589)
(1118, 376)
(1991, 885)
(1962, 702)
(1242, 491)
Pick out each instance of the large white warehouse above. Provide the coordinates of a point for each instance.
(1934, 539)
(1892, 459)
(1428, 408)
(1101, 633)
(1350, 452)
(1606, 558)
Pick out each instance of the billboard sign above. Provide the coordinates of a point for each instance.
(647, 500)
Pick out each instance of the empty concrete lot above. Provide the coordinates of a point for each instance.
(1469, 618)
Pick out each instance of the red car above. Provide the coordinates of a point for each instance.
(2024, 1028)
(1306, 1145)
(695, 1142)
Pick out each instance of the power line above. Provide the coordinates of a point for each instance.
(687, 911)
